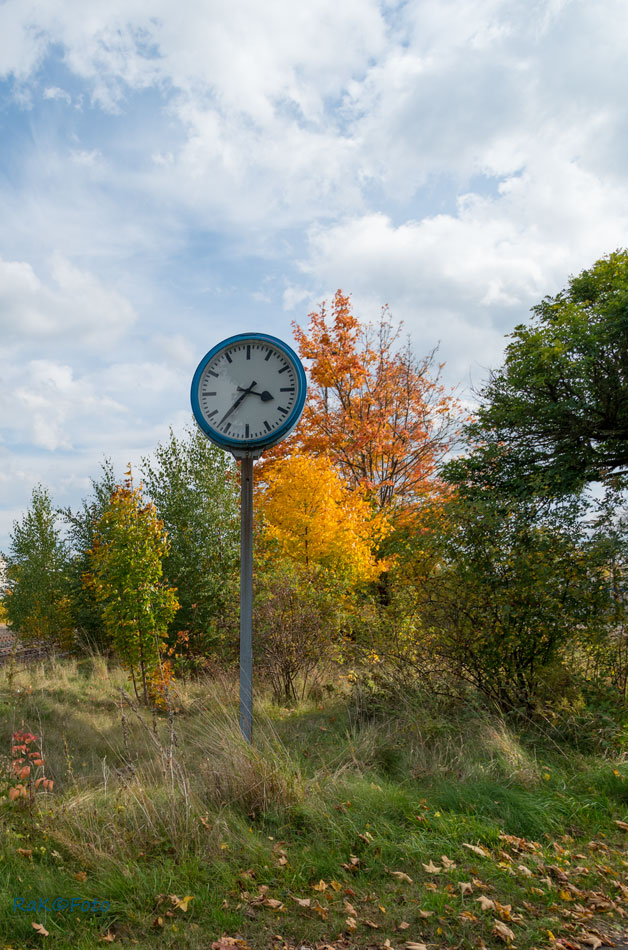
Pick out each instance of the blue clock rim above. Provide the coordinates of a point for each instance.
(291, 420)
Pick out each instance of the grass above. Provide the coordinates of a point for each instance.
(347, 823)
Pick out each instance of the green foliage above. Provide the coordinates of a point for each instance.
(299, 614)
(82, 523)
(37, 602)
(194, 487)
(126, 570)
(499, 588)
(559, 405)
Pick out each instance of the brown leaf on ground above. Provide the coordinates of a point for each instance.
(477, 849)
(401, 876)
(466, 887)
(485, 902)
(502, 931)
(303, 901)
(107, 938)
(40, 929)
(432, 868)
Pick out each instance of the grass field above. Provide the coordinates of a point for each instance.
(349, 823)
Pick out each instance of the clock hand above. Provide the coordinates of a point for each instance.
(245, 393)
(265, 396)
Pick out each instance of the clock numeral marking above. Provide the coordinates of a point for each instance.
(267, 424)
(209, 394)
(210, 414)
(228, 358)
(268, 355)
(246, 434)
(248, 352)
(212, 373)
(281, 409)
(284, 369)
(287, 389)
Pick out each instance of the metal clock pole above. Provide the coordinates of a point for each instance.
(246, 597)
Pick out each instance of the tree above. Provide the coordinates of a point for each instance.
(37, 600)
(194, 487)
(126, 576)
(559, 405)
(500, 587)
(379, 414)
(316, 520)
(82, 525)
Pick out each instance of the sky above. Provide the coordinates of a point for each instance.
(176, 172)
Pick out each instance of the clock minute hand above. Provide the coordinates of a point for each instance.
(245, 393)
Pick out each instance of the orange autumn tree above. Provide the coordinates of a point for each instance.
(380, 414)
(316, 520)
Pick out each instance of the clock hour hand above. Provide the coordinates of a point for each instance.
(245, 393)
(265, 396)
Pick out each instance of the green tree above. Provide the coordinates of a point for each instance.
(37, 601)
(499, 587)
(126, 576)
(86, 610)
(195, 489)
(559, 405)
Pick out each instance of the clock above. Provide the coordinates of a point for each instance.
(248, 392)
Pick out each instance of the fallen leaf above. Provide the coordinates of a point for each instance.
(415, 946)
(25, 853)
(447, 862)
(181, 904)
(401, 876)
(40, 929)
(424, 914)
(403, 925)
(107, 938)
(351, 923)
(81, 876)
(350, 909)
(321, 886)
(524, 870)
(372, 924)
(466, 887)
(477, 850)
(303, 901)
(485, 902)
(502, 931)
(622, 824)
(432, 868)
(273, 903)
(591, 940)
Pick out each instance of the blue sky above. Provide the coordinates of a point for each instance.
(170, 177)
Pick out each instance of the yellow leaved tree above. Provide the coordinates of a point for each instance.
(316, 519)
(320, 541)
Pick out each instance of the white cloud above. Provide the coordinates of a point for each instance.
(73, 304)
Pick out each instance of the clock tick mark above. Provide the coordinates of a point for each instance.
(248, 352)
(287, 389)
(227, 427)
(281, 409)
(212, 413)
(228, 358)
(246, 434)
(268, 355)
(209, 394)
(212, 373)
(267, 424)
(283, 369)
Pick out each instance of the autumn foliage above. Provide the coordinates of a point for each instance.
(126, 576)
(317, 520)
(379, 414)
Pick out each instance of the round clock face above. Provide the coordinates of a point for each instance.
(248, 391)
